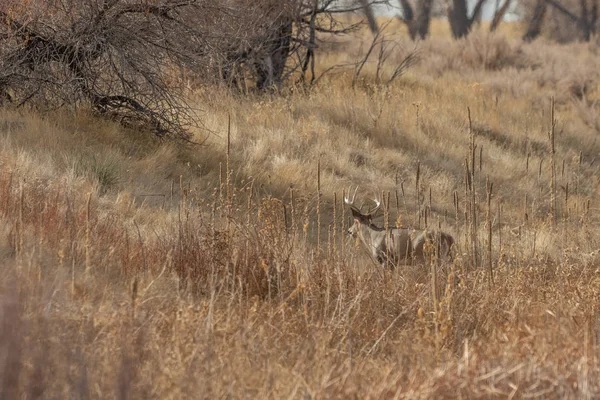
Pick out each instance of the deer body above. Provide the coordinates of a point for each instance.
(397, 245)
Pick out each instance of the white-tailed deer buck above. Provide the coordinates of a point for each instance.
(396, 245)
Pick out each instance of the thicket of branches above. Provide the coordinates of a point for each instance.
(126, 58)
(117, 56)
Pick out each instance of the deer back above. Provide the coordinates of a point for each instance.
(401, 244)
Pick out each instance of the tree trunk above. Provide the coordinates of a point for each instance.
(459, 21)
(271, 66)
(499, 15)
(586, 21)
(458, 16)
(407, 10)
(593, 19)
(417, 22)
(420, 25)
(368, 10)
(534, 28)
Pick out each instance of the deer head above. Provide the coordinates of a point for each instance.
(360, 218)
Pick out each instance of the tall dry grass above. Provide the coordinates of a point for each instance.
(140, 269)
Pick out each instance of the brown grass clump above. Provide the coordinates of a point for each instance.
(140, 269)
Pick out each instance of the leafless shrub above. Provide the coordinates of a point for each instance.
(118, 56)
(490, 52)
(478, 51)
(130, 59)
(387, 50)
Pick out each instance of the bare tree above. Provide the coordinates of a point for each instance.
(458, 16)
(115, 55)
(285, 43)
(126, 58)
(562, 20)
(587, 19)
(418, 19)
(273, 45)
(534, 27)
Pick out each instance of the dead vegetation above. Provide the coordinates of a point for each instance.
(153, 270)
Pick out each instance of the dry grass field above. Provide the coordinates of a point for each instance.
(138, 268)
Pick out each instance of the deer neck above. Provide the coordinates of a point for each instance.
(372, 236)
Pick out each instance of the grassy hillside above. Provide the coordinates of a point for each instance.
(136, 268)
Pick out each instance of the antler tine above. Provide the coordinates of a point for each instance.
(350, 201)
(347, 199)
(377, 202)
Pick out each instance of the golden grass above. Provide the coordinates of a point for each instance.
(192, 293)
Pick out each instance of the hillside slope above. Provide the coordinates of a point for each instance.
(141, 268)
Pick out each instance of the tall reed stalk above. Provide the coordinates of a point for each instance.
(551, 137)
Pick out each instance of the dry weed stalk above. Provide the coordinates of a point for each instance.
(334, 224)
(343, 231)
(551, 137)
(318, 205)
(467, 217)
(228, 173)
(88, 262)
(500, 248)
(470, 172)
(386, 218)
(418, 193)
(20, 228)
(489, 187)
(432, 259)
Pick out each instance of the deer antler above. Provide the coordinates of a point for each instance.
(374, 210)
(350, 201)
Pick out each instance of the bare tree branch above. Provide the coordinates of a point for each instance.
(499, 15)
(535, 23)
(368, 10)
